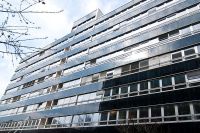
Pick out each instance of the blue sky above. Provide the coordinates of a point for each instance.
(55, 26)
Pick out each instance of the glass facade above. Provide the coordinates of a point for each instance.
(137, 65)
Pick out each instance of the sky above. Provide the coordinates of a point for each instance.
(54, 26)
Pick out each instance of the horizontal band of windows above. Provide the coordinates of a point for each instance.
(175, 112)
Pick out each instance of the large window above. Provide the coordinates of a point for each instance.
(155, 85)
(124, 91)
(166, 83)
(113, 117)
(133, 89)
(179, 81)
(144, 65)
(122, 116)
(132, 115)
(196, 107)
(184, 111)
(156, 114)
(144, 114)
(176, 57)
(169, 113)
(104, 118)
(144, 87)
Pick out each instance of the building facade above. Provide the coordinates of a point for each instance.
(135, 69)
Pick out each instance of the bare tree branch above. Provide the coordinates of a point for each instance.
(13, 36)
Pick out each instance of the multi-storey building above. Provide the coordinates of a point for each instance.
(133, 69)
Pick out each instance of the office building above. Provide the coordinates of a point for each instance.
(135, 69)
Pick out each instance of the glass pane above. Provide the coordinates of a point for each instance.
(88, 118)
(122, 114)
(144, 85)
(107, 93)
(183, 109)
(68, 119)
(104, 116)
(135, 67)
(163, 37)
(196, 108)
(169, 110)
(125, 69)
(144, 64)
(124, 89)
(133, 87)
(115, 91)
(166, 81)
(193, 75)
(113, 115)
(155, 111)
(189, 52)
(61, 120)
(144, 112)
(176, 56)
(173, 33)
(75, 120)
(155, 83)
(132, 114)
(81, 119)
(179, 79)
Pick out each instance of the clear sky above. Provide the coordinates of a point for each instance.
(55, 26)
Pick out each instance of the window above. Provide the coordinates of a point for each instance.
(195, 75)
(166, 83)
(95, 78)
(196, 107)
(107, 93)
(189, 53)
(133, 89)
(132, 115)
(66, 49)
(40, 80)
(165, 59)
(176, 57)
(86, 80)
(143, 87)
(169, 110)
(109, 74)
(144, 114)
(124, 91)
(112, 117)
(135, 67)
(163, 37)
(173, 33)
(43, 121)
(49, 121)
(154, 83)
(179, 79)
(144, 65)
(184, 109)
(122, 116)
(154, 62)
(93, 61)
(41, 53)
(156, 112)
(63, 61)
(104, 117)
(125, 69)
(71, 84)
(115, 92)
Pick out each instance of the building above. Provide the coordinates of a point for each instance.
(133, 69)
